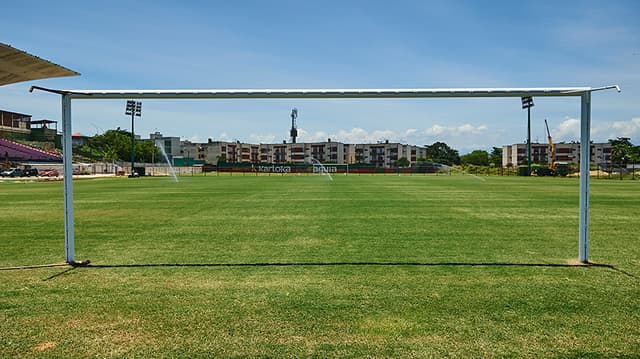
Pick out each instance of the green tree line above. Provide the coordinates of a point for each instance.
(115, 145)
(623, 152)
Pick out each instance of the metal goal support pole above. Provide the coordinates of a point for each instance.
(67, 159)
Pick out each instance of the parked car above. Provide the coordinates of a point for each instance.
(13, 172)
(49, 173)
(30, 172)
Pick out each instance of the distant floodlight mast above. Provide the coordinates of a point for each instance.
(134, 108)
(527, 103)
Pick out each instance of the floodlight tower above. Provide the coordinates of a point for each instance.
(527, 102)
(294, 129)
(134, 108)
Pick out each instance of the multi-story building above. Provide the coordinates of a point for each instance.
(172, 146)
(325, 152)
(381, 154)
(516, 154)
(385, 154)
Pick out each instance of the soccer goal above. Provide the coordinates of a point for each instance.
(585, 124)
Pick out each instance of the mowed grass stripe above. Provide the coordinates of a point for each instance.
(337, 217)
(431, 213)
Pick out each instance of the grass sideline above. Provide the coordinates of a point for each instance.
(296, 266)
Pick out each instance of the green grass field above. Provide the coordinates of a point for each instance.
(300, 266)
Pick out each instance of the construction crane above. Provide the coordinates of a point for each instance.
(552, 148)
(294, 129)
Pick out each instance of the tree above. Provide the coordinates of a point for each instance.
(477, 157)
(495, 157)
(146, 151)
(402, 162)
(116, 145)
(634, 158)
(109, 154)
(621, 151)
(440, 152)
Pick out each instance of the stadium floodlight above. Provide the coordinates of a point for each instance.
(527, 103)
(134, 108)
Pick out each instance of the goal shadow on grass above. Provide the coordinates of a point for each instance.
(365, 264)
(69, 267)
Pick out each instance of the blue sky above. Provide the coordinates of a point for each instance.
(335, 44)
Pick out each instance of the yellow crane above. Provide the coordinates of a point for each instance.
(552, 149)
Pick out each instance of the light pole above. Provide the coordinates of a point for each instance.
(134, 108)
(527, 102)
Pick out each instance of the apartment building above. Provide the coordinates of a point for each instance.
(172, 146)
(324, 152)
(381, 154)
(385, 154)
(214, 151)
(238, 152)
(513, 155)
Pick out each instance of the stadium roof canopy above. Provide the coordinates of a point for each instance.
(18, 66)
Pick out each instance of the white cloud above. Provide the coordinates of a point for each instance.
(456, 135)
(610, 130)
(435, 130)
(257, 138)
(306, 136)
(354, 135)
(567, 130)
(466, 129)
(629, 128)
(195, 139)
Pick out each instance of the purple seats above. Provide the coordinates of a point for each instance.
(14, 150)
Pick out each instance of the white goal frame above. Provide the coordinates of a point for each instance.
(585, 127)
